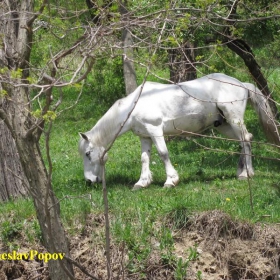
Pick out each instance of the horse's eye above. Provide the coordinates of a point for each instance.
(87, 153)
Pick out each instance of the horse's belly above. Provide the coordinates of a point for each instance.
(189, 123)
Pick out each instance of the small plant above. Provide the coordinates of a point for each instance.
(167, 247)
(193, 254)
(137, 258)
(12, 246)
(136, 242)
(37, 230)
(181, 269)
(10, 230)
(199, 275)
(179, 217)
(182, 266)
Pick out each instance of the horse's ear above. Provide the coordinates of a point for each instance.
(82, 135)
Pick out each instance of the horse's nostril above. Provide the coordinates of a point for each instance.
(88, 182)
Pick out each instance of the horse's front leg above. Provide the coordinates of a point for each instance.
(146, 175)
(172, 175)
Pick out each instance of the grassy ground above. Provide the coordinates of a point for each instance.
(208, 182)
(207, 177)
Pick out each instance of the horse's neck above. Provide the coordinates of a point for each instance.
(109, 127)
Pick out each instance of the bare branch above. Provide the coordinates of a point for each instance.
(82, 268)
(41, 9)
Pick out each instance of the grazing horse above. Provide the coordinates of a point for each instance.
(154, 110)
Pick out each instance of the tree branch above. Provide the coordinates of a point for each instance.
(82, 268)
(241, 48)
(41, 9)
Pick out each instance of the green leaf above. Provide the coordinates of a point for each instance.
(3, 93)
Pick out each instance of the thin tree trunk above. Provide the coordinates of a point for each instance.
(181, 64)
(128, 64)
(13, 182)
(241, 48)
(127, 40)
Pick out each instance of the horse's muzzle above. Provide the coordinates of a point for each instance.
(90, 182)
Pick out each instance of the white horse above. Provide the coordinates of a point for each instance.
(216, 100)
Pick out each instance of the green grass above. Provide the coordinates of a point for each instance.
(207, 182)
(207, 177)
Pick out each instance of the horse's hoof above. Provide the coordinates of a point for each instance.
(168, 186)
(137, 187)
(242, 178)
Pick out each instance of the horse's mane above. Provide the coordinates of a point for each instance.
(104, 130)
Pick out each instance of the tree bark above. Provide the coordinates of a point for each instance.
(181, 64)
(13, 182)
(47, 206)
(16, 27)
(241, 48)
(128, 64)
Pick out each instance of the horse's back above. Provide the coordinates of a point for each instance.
(213, 88)
(166, 106)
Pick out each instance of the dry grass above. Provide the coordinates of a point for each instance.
(228, 249)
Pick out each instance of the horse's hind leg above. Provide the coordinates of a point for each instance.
(172, 175)
(237, 130)
(245, 167)
(146, 175)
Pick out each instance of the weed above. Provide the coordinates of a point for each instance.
(199, 275)
(182, 266)
(12, 246)
(178, 217)
(136, 240)
(181, 269)
(10, 230)
(193, 253)
(166, 246)
(37, 230)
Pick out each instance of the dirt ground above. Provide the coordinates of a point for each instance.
(225, 250)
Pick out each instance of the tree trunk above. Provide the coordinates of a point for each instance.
(47, 206)
(40, 188)
(13, 182)
(127, 40)
(181, 64)
(241, 48)
(128, 64)
(16, 27)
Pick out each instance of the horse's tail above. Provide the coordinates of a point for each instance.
(266, 118)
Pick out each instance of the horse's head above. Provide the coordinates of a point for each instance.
(92, 159)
